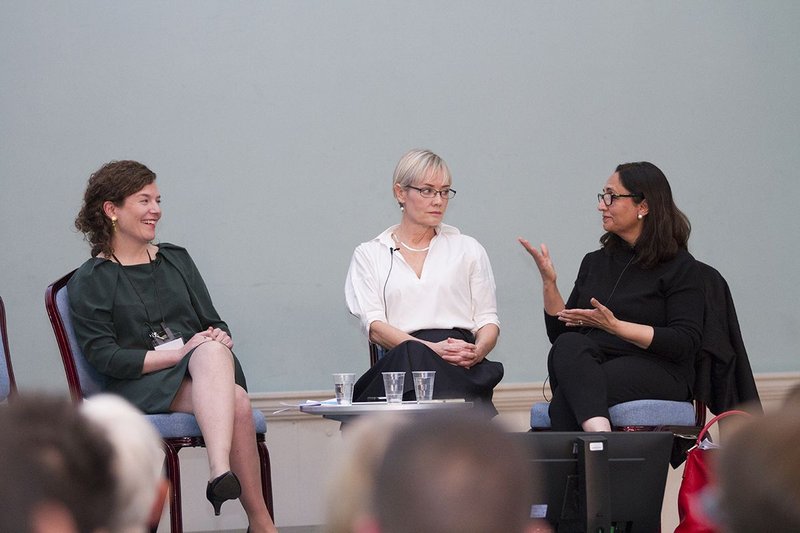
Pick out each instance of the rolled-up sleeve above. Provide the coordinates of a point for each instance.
(362, 291)
(483, 290)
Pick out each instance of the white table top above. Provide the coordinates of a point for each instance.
(347, 412)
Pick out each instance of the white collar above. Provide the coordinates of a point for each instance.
(386, 236)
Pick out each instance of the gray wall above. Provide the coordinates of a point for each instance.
(274, 128)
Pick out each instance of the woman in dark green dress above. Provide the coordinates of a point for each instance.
(145, 320)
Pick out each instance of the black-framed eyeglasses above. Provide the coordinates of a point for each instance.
(429, 192)
(609, 197)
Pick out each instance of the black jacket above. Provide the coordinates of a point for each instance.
(723, 379)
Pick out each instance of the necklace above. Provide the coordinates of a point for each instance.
(409, 248)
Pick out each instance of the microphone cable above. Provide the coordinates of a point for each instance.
(391, 266)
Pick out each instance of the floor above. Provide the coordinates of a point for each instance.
(292, 529)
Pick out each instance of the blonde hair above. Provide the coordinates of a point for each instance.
(138, 459)
(417, 164)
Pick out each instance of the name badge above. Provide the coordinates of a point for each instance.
(174, 344)
(165, 339)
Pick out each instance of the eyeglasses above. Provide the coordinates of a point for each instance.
(428, 192)
(609, 197)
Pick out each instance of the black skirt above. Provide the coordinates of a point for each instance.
(474, 384)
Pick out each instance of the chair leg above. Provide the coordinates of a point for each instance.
(174, 476)
(266, 477)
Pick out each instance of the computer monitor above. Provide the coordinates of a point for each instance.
(601, 482)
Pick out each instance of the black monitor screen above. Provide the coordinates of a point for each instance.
(637, 465)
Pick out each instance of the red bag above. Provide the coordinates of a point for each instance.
(696, 476)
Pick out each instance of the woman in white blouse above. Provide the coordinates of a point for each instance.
(425, 292)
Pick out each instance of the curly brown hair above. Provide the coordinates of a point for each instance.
(113, 182)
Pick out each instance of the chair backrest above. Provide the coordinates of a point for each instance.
(376, 353)
(82, 379)
(699, 413)
(8, 385)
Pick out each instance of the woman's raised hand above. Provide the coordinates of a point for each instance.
(542, 259)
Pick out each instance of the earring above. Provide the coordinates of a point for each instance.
(402, 208)
(639, 216)
(114, 223)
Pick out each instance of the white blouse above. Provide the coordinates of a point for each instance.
(456, 288)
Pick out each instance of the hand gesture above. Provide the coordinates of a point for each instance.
(542, 259)
(599, 317)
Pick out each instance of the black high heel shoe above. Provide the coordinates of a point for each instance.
(223, 488)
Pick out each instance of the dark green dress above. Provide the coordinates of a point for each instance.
(113, 313)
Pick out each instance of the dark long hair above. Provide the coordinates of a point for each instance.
(666, 229)
(113, 182)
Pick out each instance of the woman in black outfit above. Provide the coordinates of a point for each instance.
(632, 324)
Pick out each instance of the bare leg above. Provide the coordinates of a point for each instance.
(209, 394)
(246, 465)
(225, 417)
(596, 423)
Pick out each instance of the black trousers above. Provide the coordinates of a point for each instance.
(586, 381)
(474, 384)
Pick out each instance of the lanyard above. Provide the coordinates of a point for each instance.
(164, 327)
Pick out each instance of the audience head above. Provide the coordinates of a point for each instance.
(758, 473)
(453, 473)
(137, 463)
(113, 182)
(665, 228)
(415, 167)
(56, 468)
(353, 476)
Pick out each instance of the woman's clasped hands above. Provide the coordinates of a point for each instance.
(211, 334)
(457, 352)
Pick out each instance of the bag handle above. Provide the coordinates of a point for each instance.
(716, 419)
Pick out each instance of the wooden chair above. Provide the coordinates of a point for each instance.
(376, 352)
(8, 385)
(179, 430)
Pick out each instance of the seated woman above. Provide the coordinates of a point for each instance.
(633, 323)
(145, 320)
(426, 293)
